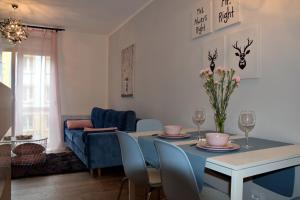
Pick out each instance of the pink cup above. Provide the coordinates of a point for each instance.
(172, 129)
(217, 139)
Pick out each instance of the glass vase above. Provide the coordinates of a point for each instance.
(220, 123)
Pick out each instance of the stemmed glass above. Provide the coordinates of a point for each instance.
(198, 119)
(247, 123)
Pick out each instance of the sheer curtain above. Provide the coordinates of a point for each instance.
(36, 88)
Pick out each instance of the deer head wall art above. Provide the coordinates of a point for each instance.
(243, 54)
(212, 59)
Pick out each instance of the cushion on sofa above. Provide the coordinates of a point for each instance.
(115, 119)
(124, 120)
(79, 124)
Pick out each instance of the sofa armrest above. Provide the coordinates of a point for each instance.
(102, 149)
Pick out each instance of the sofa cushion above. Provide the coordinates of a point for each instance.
(79, 123)
(115, 119)
(97, 117)
(123, 120)
(104, 118)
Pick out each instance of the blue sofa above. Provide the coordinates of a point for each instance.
(100, 150)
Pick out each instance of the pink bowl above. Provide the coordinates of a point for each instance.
(172, 129)
(217, 139)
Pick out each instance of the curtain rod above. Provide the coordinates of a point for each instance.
(44, 27)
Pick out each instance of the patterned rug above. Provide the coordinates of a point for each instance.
(56, 163)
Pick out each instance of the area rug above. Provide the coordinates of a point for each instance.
(56, 163)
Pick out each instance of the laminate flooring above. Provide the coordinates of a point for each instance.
(77, 186)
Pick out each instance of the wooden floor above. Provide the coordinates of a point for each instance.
(77, 186)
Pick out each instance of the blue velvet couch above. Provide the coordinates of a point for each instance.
(100, 150)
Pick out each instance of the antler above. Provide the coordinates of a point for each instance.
(215, 54)
(214, 57)
(248, 45)
(209, 56)
(236, 47)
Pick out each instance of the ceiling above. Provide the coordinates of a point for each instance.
(90, 16)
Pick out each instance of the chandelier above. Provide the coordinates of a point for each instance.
(12, 29)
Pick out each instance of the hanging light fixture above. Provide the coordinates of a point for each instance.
(12, 28)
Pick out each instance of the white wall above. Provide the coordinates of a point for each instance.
(83, 72)
(167, 85)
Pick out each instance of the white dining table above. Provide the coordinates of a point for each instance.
(245, 164)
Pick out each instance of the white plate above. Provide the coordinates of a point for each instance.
(228, 147)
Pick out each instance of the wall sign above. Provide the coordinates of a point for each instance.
(127, 71)
(202, 19)
(225, 13)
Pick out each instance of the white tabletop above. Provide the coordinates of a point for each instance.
(248, 159)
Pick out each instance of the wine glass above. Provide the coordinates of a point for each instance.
(198, 119)
(247, 123)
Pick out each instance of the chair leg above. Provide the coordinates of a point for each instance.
(149, 194)
(121, 187)
(156, 194)
(99, 172)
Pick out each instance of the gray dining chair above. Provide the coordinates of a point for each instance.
(135, 167)
(178, 178)
(149, 125)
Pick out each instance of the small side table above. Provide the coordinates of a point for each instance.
(28, 152)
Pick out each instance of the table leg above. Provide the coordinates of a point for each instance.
(236, 186)
(131, 188)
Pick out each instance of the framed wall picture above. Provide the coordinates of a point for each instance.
(244, 52)
(225, 13)
(213, 53)
(202, 19)
(127, 71)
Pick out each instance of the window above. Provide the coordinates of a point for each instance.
(28, 123)
(28, 95)
(5, 68)
(5, 73)
(35, 94)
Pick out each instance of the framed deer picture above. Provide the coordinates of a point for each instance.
(244, 52)
(213, 53)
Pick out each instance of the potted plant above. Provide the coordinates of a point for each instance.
(219, 85)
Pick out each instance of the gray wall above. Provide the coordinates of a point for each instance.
(167, 85)
(83, 72)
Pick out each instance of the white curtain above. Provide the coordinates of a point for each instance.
(36, 88)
